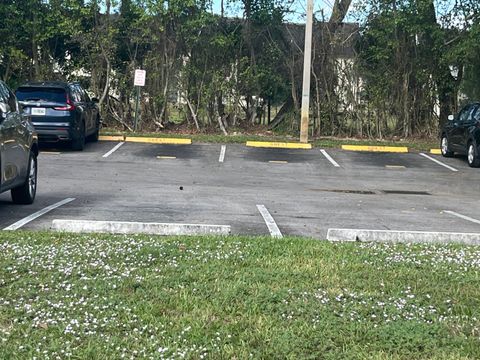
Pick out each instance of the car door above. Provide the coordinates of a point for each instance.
(87, 117)
(9, 145)
(457, 132)
(474, 128)
(90, 109)
(464, 126)
(79, 106)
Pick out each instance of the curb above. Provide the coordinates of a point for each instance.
(278, 145)
(436, 151)
(362, 235)
(147, 140)
(391, 149)
(111, 138)
(174, 141)
(120, 227)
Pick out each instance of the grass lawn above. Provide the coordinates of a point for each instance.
(112, 297)
(415, 144)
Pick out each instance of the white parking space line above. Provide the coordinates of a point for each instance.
(438, 162)
(32, 217)
(329, 158)
(462, 216)
(222, 153)
(272, 226)
(166, 157)
(113, 150)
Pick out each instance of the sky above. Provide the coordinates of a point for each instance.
(298, 9)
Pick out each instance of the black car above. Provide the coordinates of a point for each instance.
(18, 150)
(61, 111)
(461, 134)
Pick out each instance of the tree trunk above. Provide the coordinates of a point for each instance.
(193, 113)
(107, 84)
(218, 115)
(282, 113)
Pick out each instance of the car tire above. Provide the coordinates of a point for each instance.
(472, 155)
(444, 147)
(25, 193)
(78, 144)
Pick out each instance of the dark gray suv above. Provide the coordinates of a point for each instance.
(61, 111)
(18, 150)
(461, 134)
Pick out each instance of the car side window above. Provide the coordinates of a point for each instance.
(85, 95)
(12, 101)
(476, 113)
(464, 115)
(79, 91)
(75, 95)
(3, 93)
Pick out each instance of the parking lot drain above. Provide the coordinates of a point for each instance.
(344, 191)
(405, 192)
(120, 227)
(365, 235)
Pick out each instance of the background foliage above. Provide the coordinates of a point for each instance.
(400, 71)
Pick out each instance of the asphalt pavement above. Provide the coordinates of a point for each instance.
(304, 192)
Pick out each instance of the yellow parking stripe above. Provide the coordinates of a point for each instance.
(111, 138)
(395, 166)
(436, 151)
(166, 157)
(278, 145)
(173, 141)
(278, 162)
(393, 149)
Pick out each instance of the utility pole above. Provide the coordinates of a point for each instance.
(307, 63)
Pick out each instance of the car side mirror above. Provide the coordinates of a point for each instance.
(4, 110)
(95, 100)
(451, 117)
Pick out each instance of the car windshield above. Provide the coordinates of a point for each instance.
(41, 94)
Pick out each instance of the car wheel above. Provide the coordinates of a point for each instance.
(25, 193)
(444, 146)
(472, 155)
(78, 144)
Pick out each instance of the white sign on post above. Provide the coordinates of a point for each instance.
(139, 77)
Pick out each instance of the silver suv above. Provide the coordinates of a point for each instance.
(18, 150)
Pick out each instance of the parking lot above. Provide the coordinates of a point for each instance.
(256, 191)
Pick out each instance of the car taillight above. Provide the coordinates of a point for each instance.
(70, 106)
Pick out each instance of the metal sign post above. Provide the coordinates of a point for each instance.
(138, 82)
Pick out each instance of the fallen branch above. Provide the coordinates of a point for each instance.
(118, 118)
